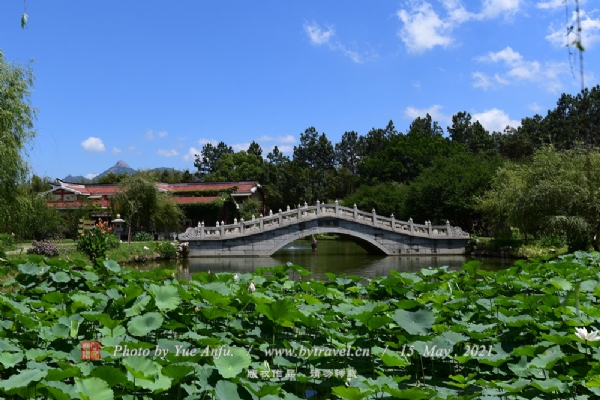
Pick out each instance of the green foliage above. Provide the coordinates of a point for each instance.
(142, 237)
(16, 131)
(166, 250)
(385, 198)
(552, 240)
(511, 332)
(249, 208)
(144, 207)
(7, 240)
(448, 188)
(97, 241)
(557, 190)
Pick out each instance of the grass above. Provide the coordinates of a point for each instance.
(518, 249)
(123, 254)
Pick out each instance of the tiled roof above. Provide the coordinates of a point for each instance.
(244, 187)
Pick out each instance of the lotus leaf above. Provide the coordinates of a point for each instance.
(143, 324)
(93, 389)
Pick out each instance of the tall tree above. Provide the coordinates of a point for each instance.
(472, 135)
(17, 116)
(316, 154)
(207, 160)
(348, 152)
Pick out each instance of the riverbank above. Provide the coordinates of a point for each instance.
(513, 248)
(137, 252)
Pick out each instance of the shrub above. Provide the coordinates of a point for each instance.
(113, 241)
(96, 241)
(142, 237)
(552, 240)
(7, 240)
(44, 248)
(166, 250)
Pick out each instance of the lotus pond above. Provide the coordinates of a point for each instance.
(432, 334)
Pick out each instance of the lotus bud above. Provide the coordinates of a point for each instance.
(251, 288)
(235, 277)
(197, 308)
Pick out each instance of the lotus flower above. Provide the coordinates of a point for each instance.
(235, 277)
(251, 288)
(146, 248)
(583, 334)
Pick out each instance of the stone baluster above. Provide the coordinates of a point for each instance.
(299, 212)
(374, 217)
(355, 212)
(393, 222)
(337, 208)
(236, 229)
(242, 227)
(280, 219)
(448, 231)
(201, 229)
(412, 226)
(318, 208)
(429, 228)
(222, 228)
(260, 222)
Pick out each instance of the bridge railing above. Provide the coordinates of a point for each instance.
(306, 212)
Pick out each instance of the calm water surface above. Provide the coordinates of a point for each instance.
(337, 256)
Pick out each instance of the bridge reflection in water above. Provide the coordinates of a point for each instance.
(336, 256)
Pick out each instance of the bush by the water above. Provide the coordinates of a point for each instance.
(45, 247)
(166, 250)
(433, 334)
(142, 237)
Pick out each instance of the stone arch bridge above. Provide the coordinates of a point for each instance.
(263, 236)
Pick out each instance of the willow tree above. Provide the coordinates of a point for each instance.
(17, 116)
(144, 206)
(555, 191)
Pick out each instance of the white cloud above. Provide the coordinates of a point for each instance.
(162, 133)
(148, 135)
(519, 69)
(590, 31)
(423, 27)
(318, 36)
(416, 84)
(497, 8)
(240, 146)
(93, 144)
(204, 141)
(191, 154)
(535, 107)
(434, 111)
(286, 149)
(116, 151)
(278, 139)
(167, 153)
(495, 120)
(550, 4)
(91, 176)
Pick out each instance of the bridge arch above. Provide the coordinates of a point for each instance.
(367, 242)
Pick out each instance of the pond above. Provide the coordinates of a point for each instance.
(337, 256)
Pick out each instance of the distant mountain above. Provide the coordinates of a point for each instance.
(77, 179)
(121, 167)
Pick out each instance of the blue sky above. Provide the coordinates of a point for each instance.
(149, 82)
